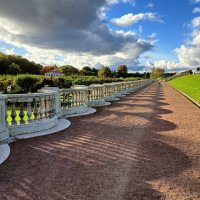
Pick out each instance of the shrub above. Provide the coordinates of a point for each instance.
(27, 83)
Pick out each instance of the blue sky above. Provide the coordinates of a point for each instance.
(139, 33)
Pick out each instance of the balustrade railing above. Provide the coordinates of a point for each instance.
(73, 97)
(95, 92)
(27, 108)
(42, 109)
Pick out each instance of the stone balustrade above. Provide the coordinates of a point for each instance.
(29, 113)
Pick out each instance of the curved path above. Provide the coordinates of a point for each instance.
(144, 147)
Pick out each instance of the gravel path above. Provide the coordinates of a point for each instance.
(144, 147)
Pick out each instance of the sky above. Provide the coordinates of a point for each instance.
(141, 34)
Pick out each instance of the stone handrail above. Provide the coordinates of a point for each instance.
(32, 112)
(26, 110)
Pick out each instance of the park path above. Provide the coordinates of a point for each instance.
(144, 147)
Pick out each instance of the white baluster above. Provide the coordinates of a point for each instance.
(29, 109)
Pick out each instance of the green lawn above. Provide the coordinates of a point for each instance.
(189, 84)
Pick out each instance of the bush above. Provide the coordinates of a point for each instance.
(27, 83)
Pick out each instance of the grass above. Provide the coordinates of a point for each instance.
(189, 85)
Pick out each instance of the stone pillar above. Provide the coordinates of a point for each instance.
(4, 133)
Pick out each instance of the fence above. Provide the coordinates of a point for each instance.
(29, 113)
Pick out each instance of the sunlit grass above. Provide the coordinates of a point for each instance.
(189, 84)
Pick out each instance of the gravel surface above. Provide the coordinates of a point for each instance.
(143, 147)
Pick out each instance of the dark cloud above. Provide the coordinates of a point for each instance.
(69, 25)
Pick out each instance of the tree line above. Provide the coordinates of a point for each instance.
(14, 65)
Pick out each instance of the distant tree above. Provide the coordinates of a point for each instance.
(69, 70)
(104, 72)
(46, 69)
(198, 69)
(157, 72)
(26, 66)
(114, 74)
(146, 75)
(122, 71)
(13, 69)
(94, 71)
(88, 71)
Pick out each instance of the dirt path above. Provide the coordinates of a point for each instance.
(144, 147)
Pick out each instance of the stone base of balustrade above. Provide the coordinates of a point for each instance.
(105, 104)
(126, 93)
(75, 110)
(61, 125)
(119, 95)
(4, 152)
(33, 127)
(78, 111)
(4, 133)
(111, 98)
(88, 112)
(98, 102)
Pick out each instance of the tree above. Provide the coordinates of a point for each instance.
(157, 72)
(26, 66)
(69, 70)
(104, 72)
(13, 69)
(198, 69)
(94, 71)
(46, 69)
(122, 71)
(88, 71)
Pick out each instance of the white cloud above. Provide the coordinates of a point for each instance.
(150, 5)
(189, 53)
(128, 55)
(195, 1)
(132, 2)
(168, 65)
(195, 23)
(130, 19)
(196, 10)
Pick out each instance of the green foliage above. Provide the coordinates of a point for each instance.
(69, 70)
(13, 69)
(62, 82)
(25, 65)
(122, 71)
(132, 79)
(31, 83)
(198, 69)
(104, 72)
(87, 71)
(157, 73)
(189, 84)
(27, 83)
(5, 83)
